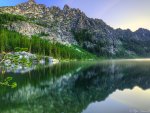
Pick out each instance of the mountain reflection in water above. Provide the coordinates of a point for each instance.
(104, 87)
(126, 101)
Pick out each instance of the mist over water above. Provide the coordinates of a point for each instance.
(114, 86)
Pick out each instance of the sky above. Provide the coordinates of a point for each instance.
(132, 14)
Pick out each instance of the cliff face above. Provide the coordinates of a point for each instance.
(71, 26)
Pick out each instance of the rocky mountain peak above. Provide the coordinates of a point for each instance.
(66, 7)
(31, 2)
(93, 35)
(142, 30)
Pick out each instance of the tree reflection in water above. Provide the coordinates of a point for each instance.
(71, 87)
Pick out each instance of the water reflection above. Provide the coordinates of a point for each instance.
(105, 87)
(123, 101)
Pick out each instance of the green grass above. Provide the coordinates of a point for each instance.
(5, 18)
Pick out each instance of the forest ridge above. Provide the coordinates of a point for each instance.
(72, 27)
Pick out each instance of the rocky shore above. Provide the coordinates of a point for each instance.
(22, 62)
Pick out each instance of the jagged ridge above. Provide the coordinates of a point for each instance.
(59, 24)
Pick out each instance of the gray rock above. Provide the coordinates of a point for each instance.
(21, 62)
(58, 24)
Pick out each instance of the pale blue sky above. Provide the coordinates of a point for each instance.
(117, 13)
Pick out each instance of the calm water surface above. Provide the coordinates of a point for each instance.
(104, 87)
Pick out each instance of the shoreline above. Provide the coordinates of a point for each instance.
(22, 62)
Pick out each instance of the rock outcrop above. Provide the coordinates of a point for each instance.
(22, 62)
(59, 25)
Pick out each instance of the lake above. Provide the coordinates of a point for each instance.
(114, 86)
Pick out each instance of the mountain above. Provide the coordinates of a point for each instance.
(71, 26)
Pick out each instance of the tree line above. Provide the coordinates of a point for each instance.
(9, 40)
